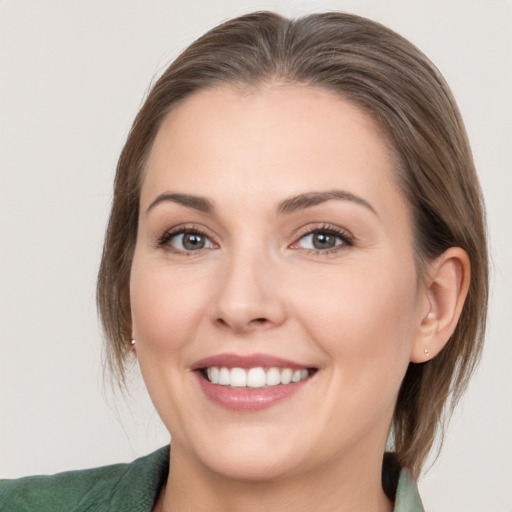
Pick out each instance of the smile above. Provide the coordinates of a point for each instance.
(257, 377)
(251, 382)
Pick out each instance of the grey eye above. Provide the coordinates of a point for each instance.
(190, 241)
(320, 241)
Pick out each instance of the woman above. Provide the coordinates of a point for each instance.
(296, 257)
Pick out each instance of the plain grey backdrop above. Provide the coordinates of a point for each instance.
(72, 76)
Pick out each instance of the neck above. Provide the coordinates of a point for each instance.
(354, 487)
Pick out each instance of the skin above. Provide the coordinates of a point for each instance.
(358, 314)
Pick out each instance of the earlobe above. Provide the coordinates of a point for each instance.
(446, 289)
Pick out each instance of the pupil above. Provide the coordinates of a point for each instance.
(323, 241)
(193, 241)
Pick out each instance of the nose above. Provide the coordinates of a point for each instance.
(248, 297)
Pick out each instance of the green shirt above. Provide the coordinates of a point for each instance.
(125, 488)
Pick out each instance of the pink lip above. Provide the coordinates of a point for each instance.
(244, 399)
(246, 361)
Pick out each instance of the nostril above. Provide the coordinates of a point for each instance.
(255, 322)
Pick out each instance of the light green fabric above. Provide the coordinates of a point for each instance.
(407, 496)
(130, 487)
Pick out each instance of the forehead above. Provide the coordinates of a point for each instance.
(268, 142)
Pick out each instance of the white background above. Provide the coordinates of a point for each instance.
(72, 76)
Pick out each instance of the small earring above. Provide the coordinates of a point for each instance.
(426, 352)
(431, 315)
(132, 342)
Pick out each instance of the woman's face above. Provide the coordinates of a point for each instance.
(273, 243)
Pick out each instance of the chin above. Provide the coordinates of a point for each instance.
(256, 468)
(251, 457)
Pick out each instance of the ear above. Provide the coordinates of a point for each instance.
(445, 291)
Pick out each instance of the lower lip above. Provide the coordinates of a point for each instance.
(244, 399)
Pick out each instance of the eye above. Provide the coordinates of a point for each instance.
(186, 240)
(319, 241)
(324, 239)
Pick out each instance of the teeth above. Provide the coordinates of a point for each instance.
(224, 379)
(254, 377)
(238, 378)
(273, 377)
(213, 375)
(286, 376)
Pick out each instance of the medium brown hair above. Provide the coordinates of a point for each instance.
(383, 74)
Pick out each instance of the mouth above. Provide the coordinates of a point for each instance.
(250, 382)
(254, 378)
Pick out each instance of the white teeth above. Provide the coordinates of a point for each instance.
(224, 379)
(213, 375)
(286, 376)
(273, 377)
(254, 377)
(296, 376)
(238, 378)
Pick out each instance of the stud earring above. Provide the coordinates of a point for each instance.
(132, 342)
(431, 315)
(426, 352)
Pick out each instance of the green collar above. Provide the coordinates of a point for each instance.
(407, 496)
(136, 486)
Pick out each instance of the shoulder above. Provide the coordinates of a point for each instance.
(132, 486)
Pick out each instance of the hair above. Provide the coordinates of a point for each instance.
(386, 76)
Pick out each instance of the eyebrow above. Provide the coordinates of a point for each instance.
(310, 199)
(290, 205)
(190, 201)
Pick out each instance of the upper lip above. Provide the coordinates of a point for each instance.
(247, 361)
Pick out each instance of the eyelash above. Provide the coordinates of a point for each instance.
(163, 241)
(345, 237)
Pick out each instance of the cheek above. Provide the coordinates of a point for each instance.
(361, 320)
(362, 314)
(166, 306)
